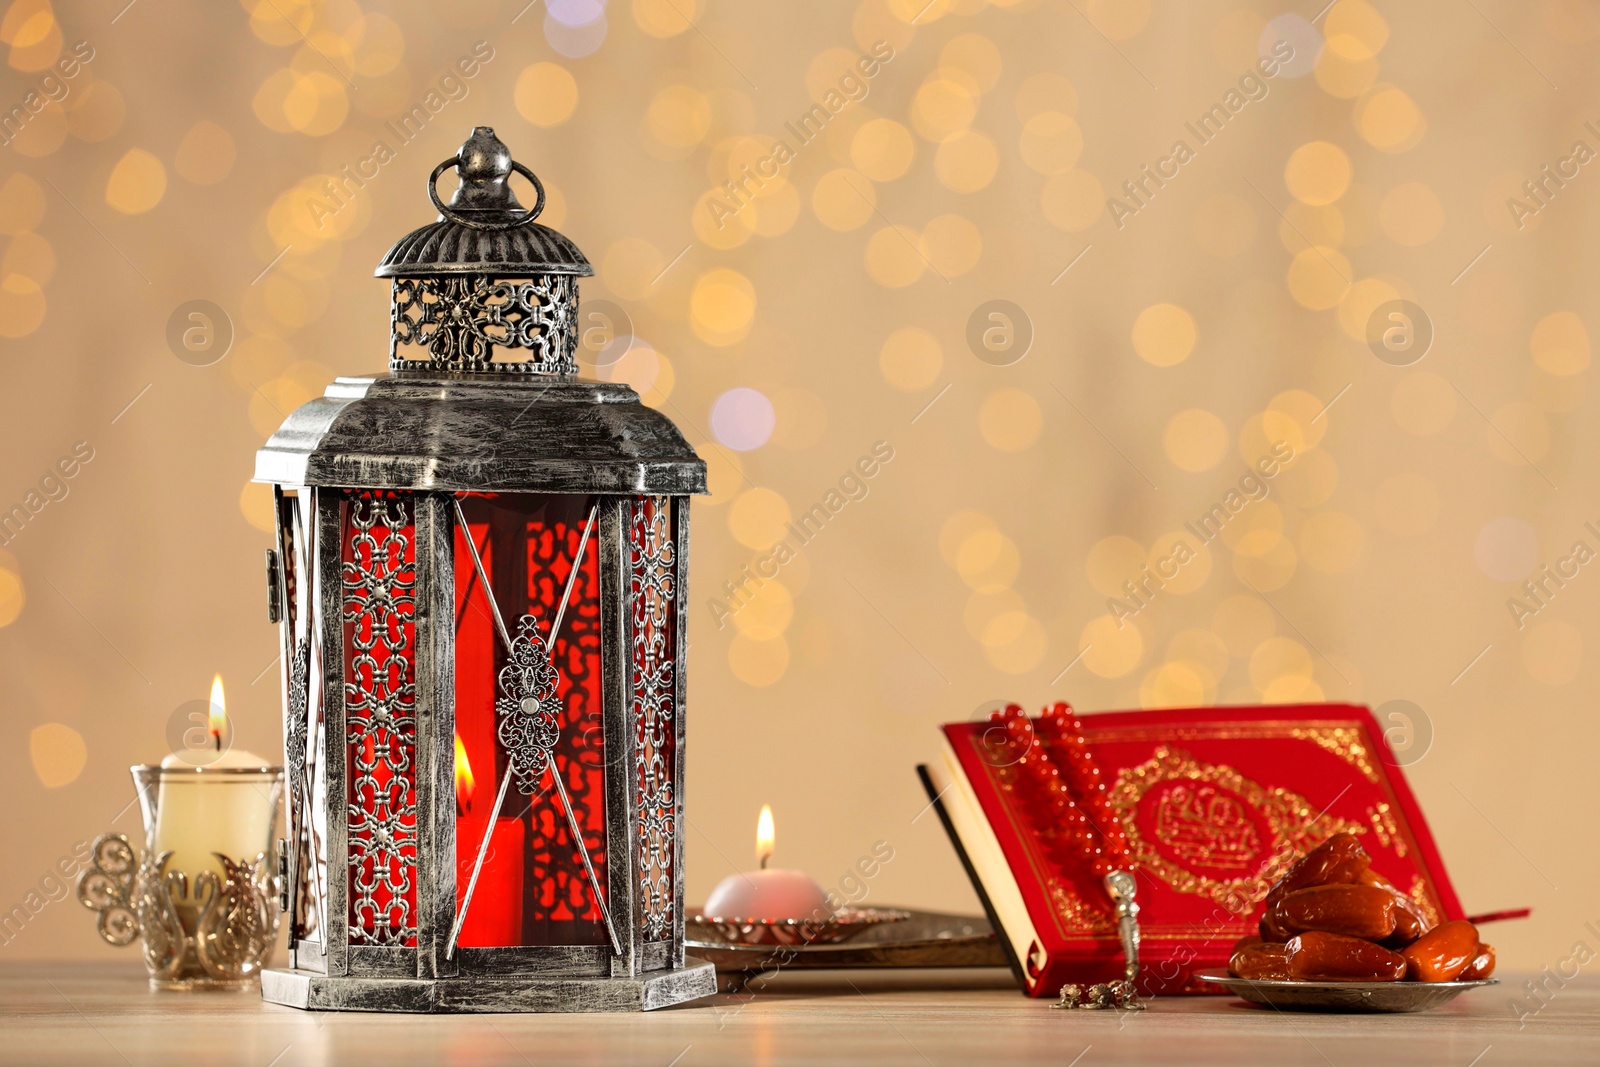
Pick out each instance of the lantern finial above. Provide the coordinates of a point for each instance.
(485, 275)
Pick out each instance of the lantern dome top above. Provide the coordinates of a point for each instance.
(484, 229)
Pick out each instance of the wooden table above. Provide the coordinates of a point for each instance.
(104, 1013)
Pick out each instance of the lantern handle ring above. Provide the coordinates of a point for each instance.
(479, 224)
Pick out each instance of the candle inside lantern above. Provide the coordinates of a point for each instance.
(211, 807)
(495, 918)
(767, 893)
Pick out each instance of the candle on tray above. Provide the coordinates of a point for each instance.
(208, 807)
(767, 893)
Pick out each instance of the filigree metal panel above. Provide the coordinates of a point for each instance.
(379, 582)
(653, 595)
(461, 318)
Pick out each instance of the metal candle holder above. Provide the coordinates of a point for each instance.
(196, 929)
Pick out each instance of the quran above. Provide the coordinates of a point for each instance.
(1215, 804)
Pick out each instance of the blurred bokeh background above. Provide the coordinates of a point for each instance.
(1044, 449)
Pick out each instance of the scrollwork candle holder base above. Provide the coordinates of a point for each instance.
(208, 931)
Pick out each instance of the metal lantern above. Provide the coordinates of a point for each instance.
(479, 579)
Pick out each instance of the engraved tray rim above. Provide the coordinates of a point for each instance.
(1342, 996)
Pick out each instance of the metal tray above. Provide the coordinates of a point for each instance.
(1343, 996)
(925, 939)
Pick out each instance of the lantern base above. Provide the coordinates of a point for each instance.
(489, 993)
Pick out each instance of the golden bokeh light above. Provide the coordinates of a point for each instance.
(665, 18)
(759, 518)
(1113, 561)
(966, 161)
(843, 199)
(1354, 29)
(546, 94)
(1051, 142)
(1317, 173)
(1010, 420)
(988, 561)
(1174, 685)
(205, 155)
(910, 359)
(758, 663)
(1319, 277)
(882, 149)
(1195, 440)
(1389, 120)
(22, 305)
(766, 613)
(678, 116)
(1552, 652)
(951, 245)
(1560, 344)
(722, 306)
(1111, 649)
(894, 257)
(58, 753)
(942, 108)
(975, 56)
(1164, 334)
(137, 183)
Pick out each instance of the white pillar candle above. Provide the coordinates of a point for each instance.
(767, 893)
(216, 807)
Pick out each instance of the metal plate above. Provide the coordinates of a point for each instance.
(924, 939)
(1343, 996)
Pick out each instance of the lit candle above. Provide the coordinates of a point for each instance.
(767, 893)
(495, 918)
(212, 807)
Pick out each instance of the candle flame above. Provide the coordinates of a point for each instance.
(219, 712)
(466, 784)
(764, 835)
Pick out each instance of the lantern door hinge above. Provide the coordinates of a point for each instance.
(274, 588)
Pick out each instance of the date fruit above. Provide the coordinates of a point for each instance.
(1258, 959)
(1442, 953)
(1316, 956)
(1481, 967)
(1340, 860)
(1364, 911)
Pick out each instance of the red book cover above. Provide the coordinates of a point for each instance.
(1216, 802)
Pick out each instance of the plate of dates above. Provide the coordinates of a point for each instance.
(1335, 935)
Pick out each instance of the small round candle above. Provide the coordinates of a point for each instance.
(199, 813)
(767, 893)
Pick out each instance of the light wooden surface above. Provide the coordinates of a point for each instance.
(104, 1013)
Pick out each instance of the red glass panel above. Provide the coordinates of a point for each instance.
(653, 595)
(378, 580)
(534, 888)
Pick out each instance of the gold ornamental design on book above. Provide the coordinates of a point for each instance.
(1207, 829)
